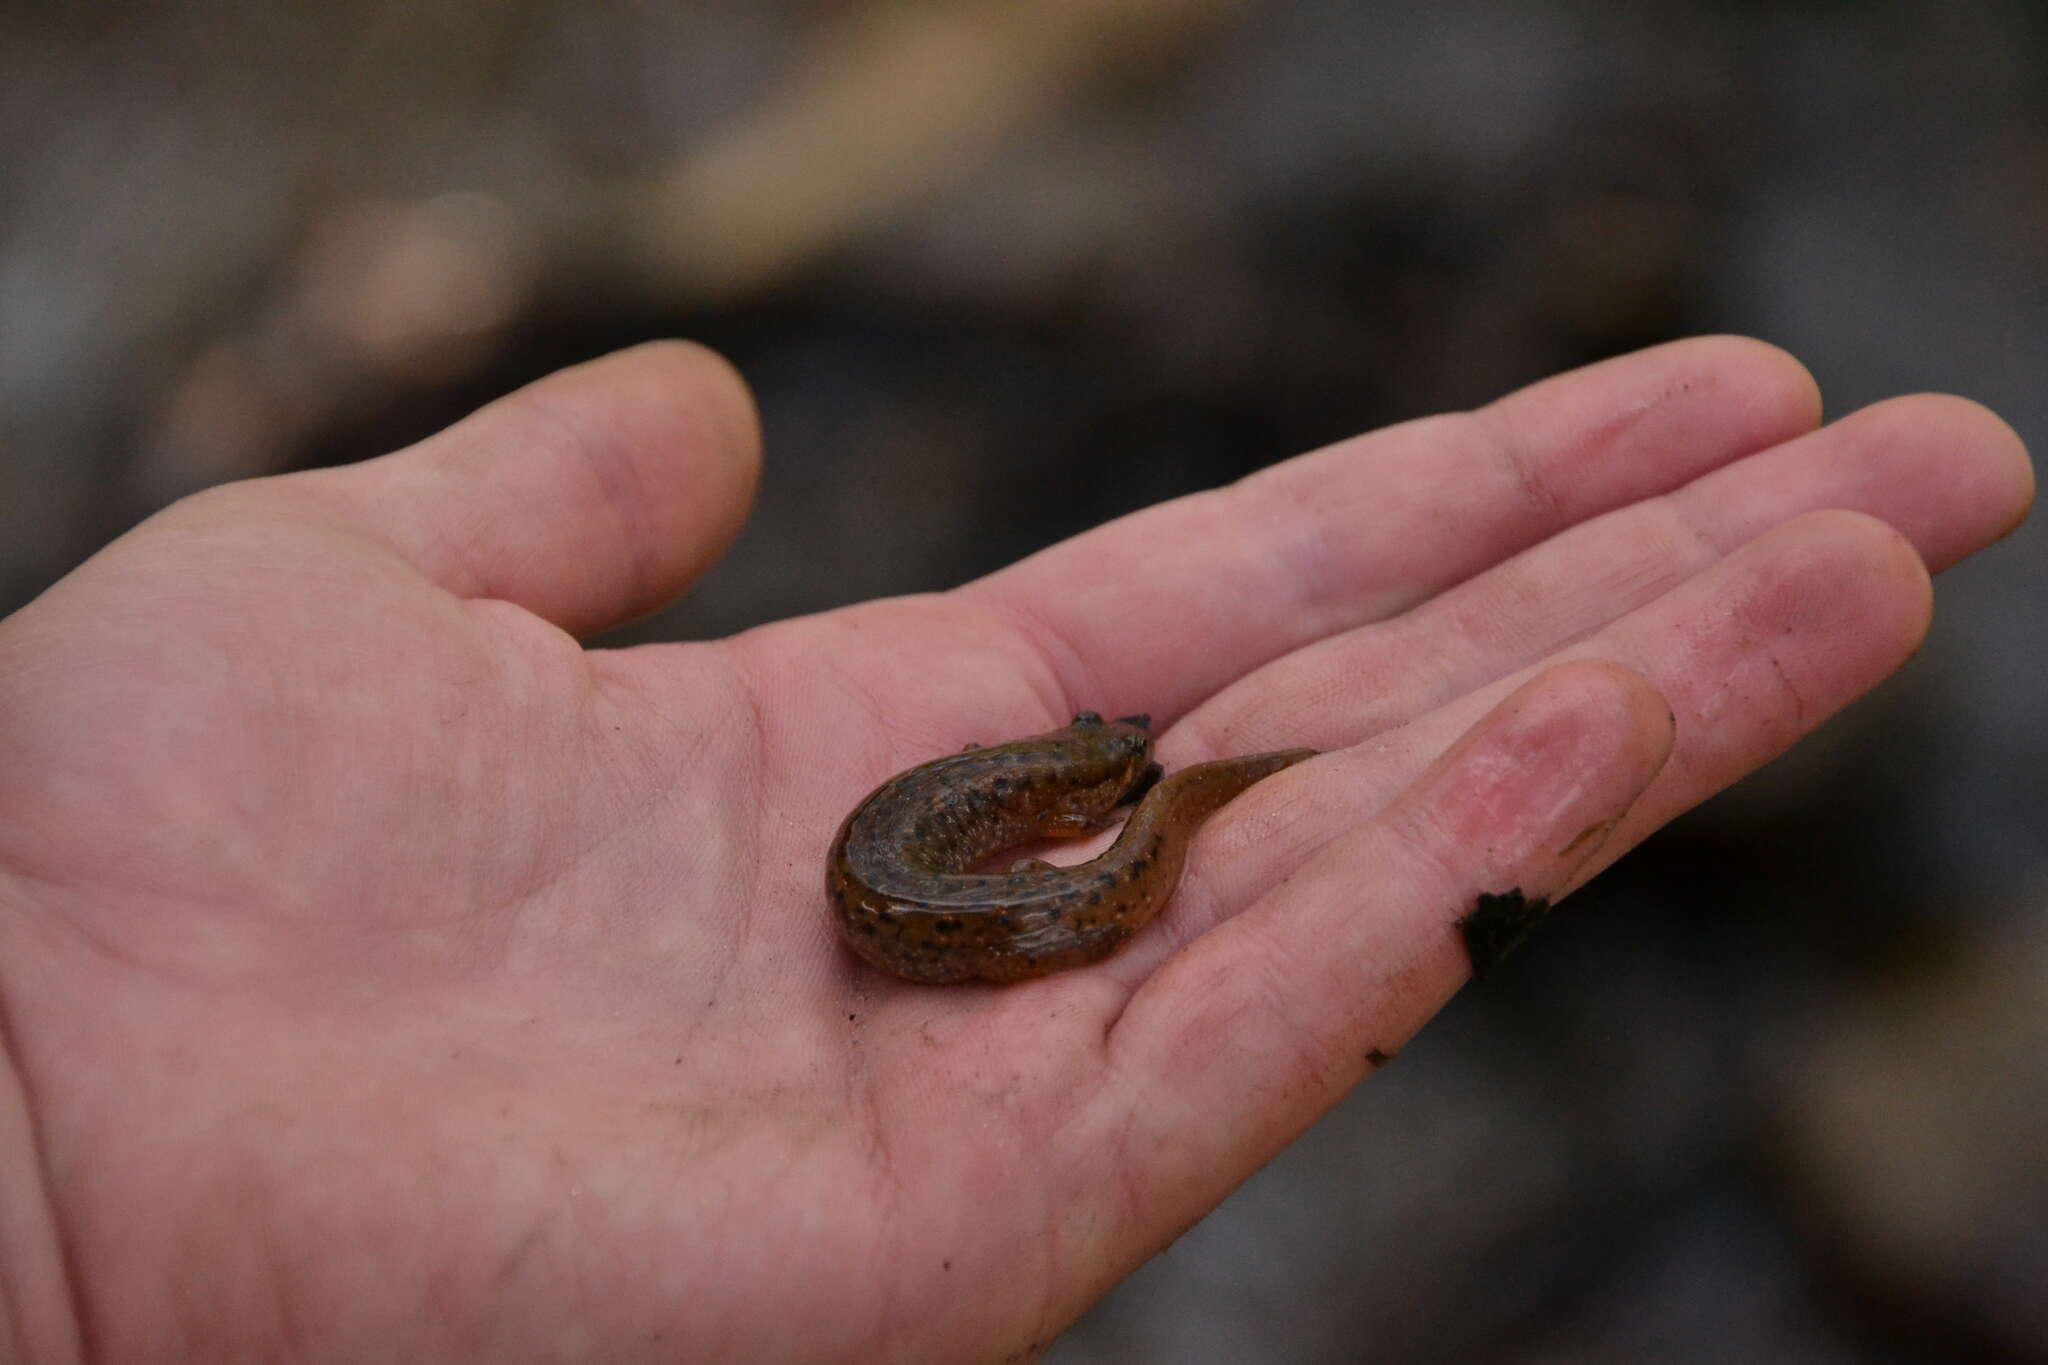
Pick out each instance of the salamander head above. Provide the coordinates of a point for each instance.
(1088, 720)
(1110, 762)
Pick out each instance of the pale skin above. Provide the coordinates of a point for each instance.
(384, 975)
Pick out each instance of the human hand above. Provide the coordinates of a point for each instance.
(384, 975)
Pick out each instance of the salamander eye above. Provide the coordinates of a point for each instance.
(1087, 718)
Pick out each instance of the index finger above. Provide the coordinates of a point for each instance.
(1159, 609)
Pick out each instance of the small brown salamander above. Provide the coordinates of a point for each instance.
(899, 870)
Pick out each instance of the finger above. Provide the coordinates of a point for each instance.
(589, 497)
(1239, 1041)
(1832, 605)
(1947, 473)
(1161, 608)
(1750, 655)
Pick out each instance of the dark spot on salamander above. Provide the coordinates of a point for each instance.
(946, 924)
(1498, 925)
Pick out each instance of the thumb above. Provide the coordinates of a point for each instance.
(589, 497)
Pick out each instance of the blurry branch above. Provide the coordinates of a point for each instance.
(887, 106)
(383, 298)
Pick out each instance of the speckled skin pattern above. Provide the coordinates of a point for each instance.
(898, 871)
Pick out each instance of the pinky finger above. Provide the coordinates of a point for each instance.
(1240, 1040)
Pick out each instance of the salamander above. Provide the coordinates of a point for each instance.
(900, 871)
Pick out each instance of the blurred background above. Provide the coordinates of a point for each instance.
(1777, 1088)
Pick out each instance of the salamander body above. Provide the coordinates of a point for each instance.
(900, 873)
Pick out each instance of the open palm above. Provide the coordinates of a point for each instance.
(385, 976)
